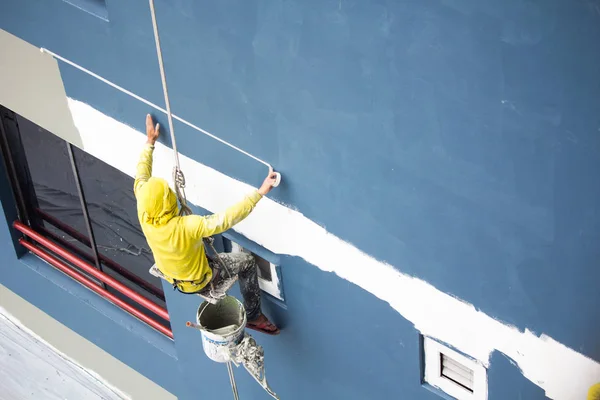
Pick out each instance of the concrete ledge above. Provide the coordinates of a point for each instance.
(84, 352)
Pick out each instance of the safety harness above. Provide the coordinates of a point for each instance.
(216, 272)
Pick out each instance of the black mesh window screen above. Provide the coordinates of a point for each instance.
(82, 204)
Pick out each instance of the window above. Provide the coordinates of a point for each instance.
(453, 373)
(268, 278)
(96, 8)
(81, 204)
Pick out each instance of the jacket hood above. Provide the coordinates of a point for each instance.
(157, 203)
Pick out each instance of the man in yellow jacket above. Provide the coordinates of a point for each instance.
(176, 242)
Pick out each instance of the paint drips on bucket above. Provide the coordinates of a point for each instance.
(222, 327)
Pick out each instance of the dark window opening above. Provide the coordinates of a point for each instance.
(49, 182)
(264, 268)
(82, 204)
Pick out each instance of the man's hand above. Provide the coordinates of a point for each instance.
(151, 130)
(268, 183)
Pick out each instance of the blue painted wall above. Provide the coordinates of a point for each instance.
(456, 139)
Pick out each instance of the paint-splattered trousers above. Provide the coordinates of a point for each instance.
(244, 266)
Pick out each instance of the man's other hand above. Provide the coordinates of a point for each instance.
(268, 183)
(151, 130)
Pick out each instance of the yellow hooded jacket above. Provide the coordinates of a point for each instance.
(176, 242)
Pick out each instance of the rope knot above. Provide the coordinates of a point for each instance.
(178, 178)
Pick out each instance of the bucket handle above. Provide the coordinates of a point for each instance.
(193, 325)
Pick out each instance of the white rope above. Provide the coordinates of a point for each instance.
(222, 141)
(163, 79)
(178, 177)
(232, 381)
(93, 74)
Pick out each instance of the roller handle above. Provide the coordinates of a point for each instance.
(277, 177)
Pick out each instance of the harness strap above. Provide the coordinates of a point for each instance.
(176, 282)
(215, 267)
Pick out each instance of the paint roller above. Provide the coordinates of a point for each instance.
(156, 107)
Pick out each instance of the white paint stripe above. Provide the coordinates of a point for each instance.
(562, 372)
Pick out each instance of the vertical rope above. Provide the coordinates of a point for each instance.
(178, 177)
(232, 381)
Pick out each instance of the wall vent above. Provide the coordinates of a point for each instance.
(456, 372)
(453, 373)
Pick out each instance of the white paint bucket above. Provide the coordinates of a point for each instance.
(221, 326)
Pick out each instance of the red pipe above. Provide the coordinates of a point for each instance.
(87, 282)
(101, 276)
(107, 261)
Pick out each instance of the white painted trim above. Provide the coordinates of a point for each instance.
(432, 350)
(285, 231)
(272, 287)
(236, 248)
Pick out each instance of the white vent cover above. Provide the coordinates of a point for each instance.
(453, 373)
(457, 372)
